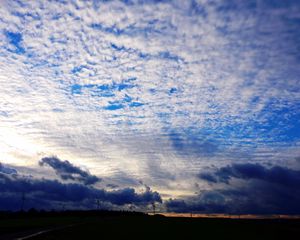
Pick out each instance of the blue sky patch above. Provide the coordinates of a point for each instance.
(113, 107)
(136, 104)
(15, 39)
(76, 89)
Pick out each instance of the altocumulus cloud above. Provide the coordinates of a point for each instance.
(47, 194)
(245, 188)
(67, 171)
(153, 90)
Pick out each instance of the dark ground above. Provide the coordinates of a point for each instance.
(124, 225)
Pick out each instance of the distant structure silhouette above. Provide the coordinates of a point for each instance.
(23, 201)
(98, 204)
(63, 207)
(131, 207)
(153, 206)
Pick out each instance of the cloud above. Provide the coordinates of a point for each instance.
(67, 171)
(193, 144)
(45, 193)
(207, 177)
(207, 202)
(7, 170)
(260, 190)
(111, 84)
(248, 171)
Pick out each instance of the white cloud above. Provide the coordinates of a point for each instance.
(224, 68)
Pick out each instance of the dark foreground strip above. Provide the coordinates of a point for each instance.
(46, 231)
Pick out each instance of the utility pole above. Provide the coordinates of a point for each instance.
(131, 208)
(23, 201)
(98, 204)
(63, 207)
(153, 206)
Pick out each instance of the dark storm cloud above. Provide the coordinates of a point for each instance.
(277, 175)
(45, 193)
(67, 171)
(260, 190)
(192, 144)
(207, 202)
(208, 177)
(128, 195)
(7, 170)
(111, 185)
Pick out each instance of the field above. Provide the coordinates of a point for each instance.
(140, 226)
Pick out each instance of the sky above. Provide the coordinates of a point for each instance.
(192, 105)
